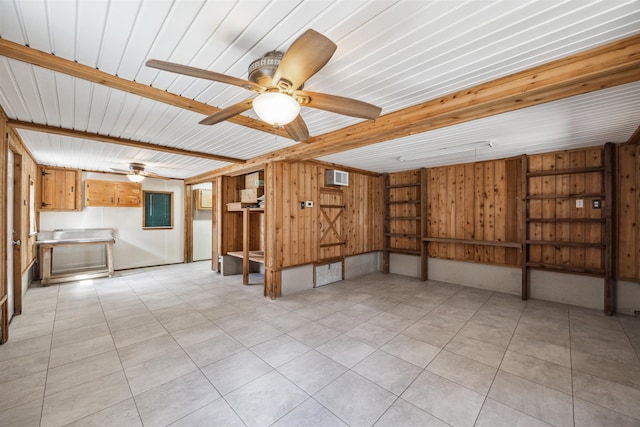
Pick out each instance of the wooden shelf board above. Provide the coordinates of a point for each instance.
(255, 256)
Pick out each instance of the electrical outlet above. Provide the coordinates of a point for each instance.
(309, 203)
(579, 203)
(596, 204)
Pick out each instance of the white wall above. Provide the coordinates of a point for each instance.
(134, 246)
(202, 228)
(583, 291)
(300, 278)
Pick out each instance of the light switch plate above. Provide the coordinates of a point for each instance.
(579, 203)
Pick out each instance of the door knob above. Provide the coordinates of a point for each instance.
(16, 242)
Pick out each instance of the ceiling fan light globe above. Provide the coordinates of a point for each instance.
(135, 177)
(276, 108)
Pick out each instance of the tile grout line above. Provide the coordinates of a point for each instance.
(500, 364)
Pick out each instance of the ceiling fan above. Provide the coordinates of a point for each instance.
(278, 79)
(137, 172)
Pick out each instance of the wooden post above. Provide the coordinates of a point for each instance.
(424, 245)
(188, 223)
(387, 227)
(524, 212)
(609, 237)
(246, 218)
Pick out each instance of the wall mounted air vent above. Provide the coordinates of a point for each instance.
(336, 177)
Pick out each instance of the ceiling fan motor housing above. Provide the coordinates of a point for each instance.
(136, 168)
(262, 70)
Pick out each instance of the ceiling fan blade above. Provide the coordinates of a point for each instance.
(305, 57)
(297, 129)
(341, 105)
(227, 113)
(203, 74)
(120, 170)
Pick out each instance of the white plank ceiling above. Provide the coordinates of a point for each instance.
(394, 54)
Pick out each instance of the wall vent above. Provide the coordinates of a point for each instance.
(336, 177)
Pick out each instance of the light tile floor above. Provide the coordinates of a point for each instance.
(180, 344)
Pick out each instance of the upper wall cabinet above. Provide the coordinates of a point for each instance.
(112, 194)
(60, 189)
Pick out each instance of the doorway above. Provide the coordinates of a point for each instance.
(14, 232)
(202, 220)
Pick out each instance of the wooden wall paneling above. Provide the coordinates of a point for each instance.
(609, 239)
(534, 187)
(629, 212)
(562, 209)
(443, 251)
(525, 204)
(4, 303)
(424, 245)
(449, 219)
(594, 233)
(499, 216)
(469, 214)
(433, 210)
(548, 208)
(231, 225)
(577, 229)
(273, 226)
(216, 218)
(512, 215)
(310, 190)
(188, 223)
(489, 210)
(458, 213)
(387, 225)
(478, 209)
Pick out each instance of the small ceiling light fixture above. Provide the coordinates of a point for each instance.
(134, 177)
(275, 108)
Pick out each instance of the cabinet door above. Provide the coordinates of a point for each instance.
(59, 189)
(99, 193)
(129, 194)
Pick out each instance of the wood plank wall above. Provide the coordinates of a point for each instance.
(29, 172)
(230, 227)
(363, 222)
(480, 201)
(629, 212)
(475, 201)
(297, 236)
(409, 212)
(590, 184)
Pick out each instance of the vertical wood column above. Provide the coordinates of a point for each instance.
(4, 300)
(387, 227)
(246, 241)
(188, 223)
(424, 245)
(609, 237)
(524, 212)
(273, 225)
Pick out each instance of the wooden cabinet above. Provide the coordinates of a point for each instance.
(60, 189)
(112, 194)
(204, 199)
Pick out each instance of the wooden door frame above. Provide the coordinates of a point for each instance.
(17, 232)
(4, 298)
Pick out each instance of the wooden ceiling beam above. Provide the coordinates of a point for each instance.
(17, 124)
(54, 63)
(599, 68)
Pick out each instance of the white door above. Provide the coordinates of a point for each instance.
(10, 232)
